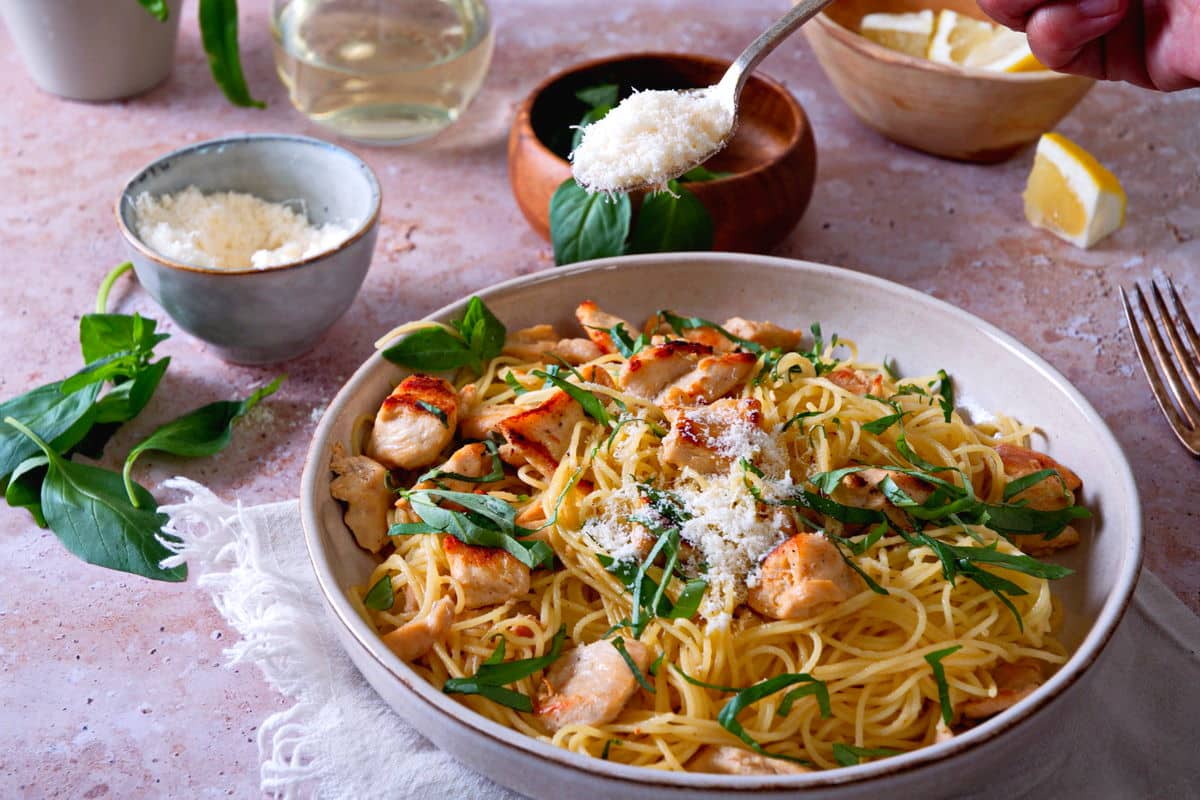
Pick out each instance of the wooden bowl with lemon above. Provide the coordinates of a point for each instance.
(941, 79)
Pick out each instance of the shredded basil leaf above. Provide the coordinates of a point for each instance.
(381, 596)
(939, 676)
(946, 390)
(680, 324)
(493, 675)
(437, 412)
(591, 404)
(727, 717)
(514, 384)
(619, 644)
(847, 755)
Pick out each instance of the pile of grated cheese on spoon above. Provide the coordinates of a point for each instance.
(650, 138)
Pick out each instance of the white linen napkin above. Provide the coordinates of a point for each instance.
(1128, 733)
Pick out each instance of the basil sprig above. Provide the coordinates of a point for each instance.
(495, 674)
(100, 516)
(478, 337)
(87, 509)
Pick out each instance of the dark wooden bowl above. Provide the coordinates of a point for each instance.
(773, 155)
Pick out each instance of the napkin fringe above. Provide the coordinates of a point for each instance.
(269, 611)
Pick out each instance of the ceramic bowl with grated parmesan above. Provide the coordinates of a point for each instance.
(255, 244)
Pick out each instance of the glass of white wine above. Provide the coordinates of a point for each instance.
(382, 71)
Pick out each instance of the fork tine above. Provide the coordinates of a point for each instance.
(1156, 385)
(1187, 363)
(1181, 313)
(1165, 364)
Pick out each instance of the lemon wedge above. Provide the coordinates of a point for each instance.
(906, 33)
(1071, 194)
(1004, 51)
(955, 35)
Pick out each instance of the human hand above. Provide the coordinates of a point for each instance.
(1150, 43)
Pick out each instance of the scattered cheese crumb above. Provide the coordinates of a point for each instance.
(230, 230)
(650, 138)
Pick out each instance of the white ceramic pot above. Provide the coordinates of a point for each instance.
(92, 49)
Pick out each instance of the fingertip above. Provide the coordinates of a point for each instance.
(1059, 32)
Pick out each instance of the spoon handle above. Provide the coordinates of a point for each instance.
(735, 78)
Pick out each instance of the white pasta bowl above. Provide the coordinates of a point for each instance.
(991, 370)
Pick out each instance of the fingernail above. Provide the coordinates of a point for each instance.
(1099, 8)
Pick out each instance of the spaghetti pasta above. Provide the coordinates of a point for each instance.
(647, 487)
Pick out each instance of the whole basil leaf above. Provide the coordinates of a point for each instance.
(202, 432)
(24, 488)
(87, 509)
(585, 226)
(219, 31)
(49, 413)
(126, 400)
(483, 332)
(672, 221)
(103, 335)
(430, 350)
(702, 174)
(603, 94)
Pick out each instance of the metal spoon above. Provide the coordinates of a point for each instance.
(729, 88)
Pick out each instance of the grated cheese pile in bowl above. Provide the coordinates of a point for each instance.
(650, 138)
(230, 230)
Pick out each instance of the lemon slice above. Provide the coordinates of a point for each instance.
(1071, 194)
(955, 36)
(905, 33)
(1005, 51)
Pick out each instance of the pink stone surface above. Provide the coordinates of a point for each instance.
(113, 686)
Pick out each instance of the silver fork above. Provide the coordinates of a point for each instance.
(1181, 373)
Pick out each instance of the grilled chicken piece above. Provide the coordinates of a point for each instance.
(1049, 494)
(709, 438)
(713, 377)
(486, 576)
(540, 435)
(589, 685)
(362, 484)
(485, 420)
(417, 637)
(726, 760)
(856, 381)
(801, 578)
(596, 324)
(407, 434)
(768, 334)
(651, 370)
(543, 343)
(1014, 682)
